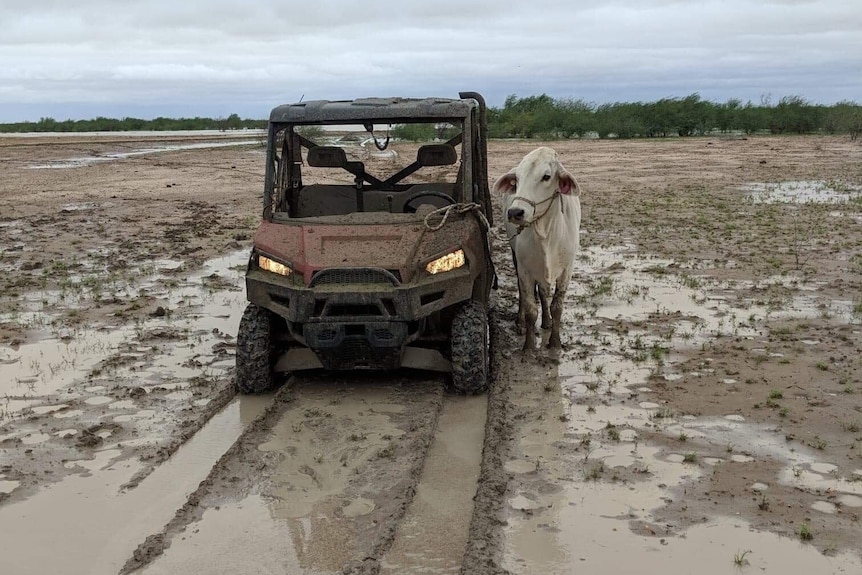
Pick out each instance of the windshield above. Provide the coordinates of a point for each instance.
(318, 171)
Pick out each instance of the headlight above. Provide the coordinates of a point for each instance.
(271, 265)
(447, 263)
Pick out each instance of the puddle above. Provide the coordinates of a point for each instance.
(799, 477)
(89, 522)
(582, 497)
(587, 542)
(357, 507)
(98, 400)
(824, 507)
(35, 438)
(100, 460)
(636, 289)
(142, 414)
(123, 404)
(824, 468)
(91, 160)
(7, 486)
(221, 541)
(802, 192)
(519, 466)
(45, 409)
(590, 523)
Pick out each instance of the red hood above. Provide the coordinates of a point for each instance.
(311, 247)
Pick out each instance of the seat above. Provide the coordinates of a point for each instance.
(325, 200)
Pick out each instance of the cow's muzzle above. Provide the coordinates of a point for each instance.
(516, 216)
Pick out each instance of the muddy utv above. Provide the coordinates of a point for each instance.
(373, 251)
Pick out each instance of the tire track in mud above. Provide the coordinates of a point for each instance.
(225, 394)
(317, 483)
(155, 544)
(433, 535)
(481, 555)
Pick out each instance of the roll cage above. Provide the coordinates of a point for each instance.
(288, 147)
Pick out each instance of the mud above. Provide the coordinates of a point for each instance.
(332, 467)
(704, 416)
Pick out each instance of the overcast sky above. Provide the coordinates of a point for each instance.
(144, 58)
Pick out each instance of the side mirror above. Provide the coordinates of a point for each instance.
(327, 157)
(436, 155)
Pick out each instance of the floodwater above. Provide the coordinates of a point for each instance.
(90, 160)
(586, 480)
(137, 134)
(802, 192)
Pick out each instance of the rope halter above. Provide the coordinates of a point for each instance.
(549, 201)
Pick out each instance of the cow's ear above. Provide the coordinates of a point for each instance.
(568, 184)
(506, 184)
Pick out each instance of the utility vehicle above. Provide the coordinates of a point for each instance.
(373, 248)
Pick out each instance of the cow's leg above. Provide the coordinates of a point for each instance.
(543, 299)
(531, 314)
(520, 323)
(562, 284)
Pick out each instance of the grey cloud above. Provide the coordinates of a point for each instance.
(146, 55)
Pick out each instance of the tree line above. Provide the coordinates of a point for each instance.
(554, 118)
(551, 118)
(101, 124)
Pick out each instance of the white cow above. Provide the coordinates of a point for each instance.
(541, 203)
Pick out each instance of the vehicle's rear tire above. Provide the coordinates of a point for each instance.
(469, 349)
(255, 352)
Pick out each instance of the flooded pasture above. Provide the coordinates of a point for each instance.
(804, 192)
(596, 453)
(82, 162)
(704, 415)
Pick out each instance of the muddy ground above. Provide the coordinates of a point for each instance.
(704, 415)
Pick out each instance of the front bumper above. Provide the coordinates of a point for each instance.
(358, 325)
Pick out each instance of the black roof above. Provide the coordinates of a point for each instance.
(391, 109)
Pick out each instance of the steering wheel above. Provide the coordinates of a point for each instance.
(408, 209)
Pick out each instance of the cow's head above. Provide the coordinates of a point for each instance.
(534, 182)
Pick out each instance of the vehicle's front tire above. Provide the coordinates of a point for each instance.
(469, 349)
(255, 352)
